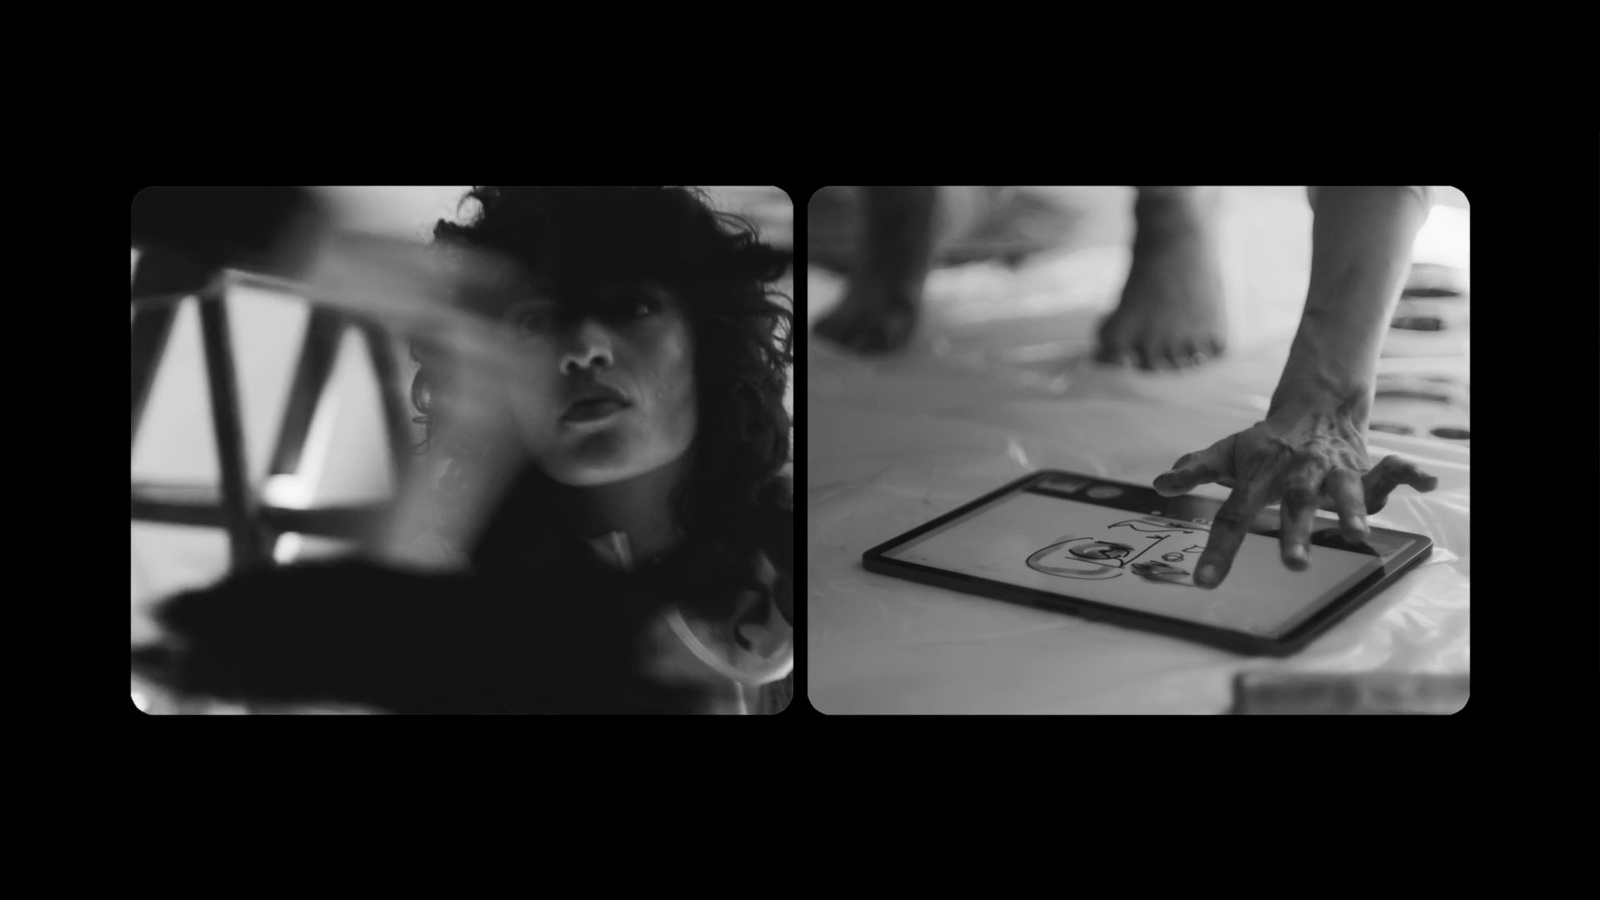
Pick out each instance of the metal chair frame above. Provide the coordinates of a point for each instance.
(235, 505)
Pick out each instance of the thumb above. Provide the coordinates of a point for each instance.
(1194, 469)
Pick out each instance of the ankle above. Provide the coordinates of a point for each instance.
(1161, 202)
(1170, 212)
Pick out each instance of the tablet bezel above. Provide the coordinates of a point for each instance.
(1335, 605)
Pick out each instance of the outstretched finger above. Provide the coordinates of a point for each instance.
(1343, 487)
(1390, 474)
(1228, 529)
(1299, 514)
(1190, 471)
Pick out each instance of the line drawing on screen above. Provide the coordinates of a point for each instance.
(1100, 557)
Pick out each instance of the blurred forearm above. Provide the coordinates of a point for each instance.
(258, 228)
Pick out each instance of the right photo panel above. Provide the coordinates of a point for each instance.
(1163, 450)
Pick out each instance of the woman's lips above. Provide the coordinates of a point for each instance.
(593, 410)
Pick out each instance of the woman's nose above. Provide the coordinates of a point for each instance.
(589, 348)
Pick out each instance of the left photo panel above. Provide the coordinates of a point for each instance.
(462, 450)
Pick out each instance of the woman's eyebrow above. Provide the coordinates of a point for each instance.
(539, 304)
(537, 301)
(633, 286)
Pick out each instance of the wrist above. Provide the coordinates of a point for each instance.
(1332, 362)
(1301, 393)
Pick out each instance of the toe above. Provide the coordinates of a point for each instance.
(1118, 358)
(1108, 352)
(1179, 357)
(1186, 356)
(896, 330)
(1161, 355)
(871, 337)
(863, 332)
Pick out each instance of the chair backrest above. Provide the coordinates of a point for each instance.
(161, 282)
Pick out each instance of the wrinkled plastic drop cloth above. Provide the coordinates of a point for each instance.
(994, 389)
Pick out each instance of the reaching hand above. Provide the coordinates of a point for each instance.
(1308, 459)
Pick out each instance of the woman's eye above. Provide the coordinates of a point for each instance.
(640, 307)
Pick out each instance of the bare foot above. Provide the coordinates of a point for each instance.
(870, 318)
(903, 230)
(1171, 315)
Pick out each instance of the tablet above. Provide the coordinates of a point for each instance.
(1122, 553)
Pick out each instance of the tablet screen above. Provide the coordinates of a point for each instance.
(1138, 562)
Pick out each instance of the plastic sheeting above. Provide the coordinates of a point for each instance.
(993, 390)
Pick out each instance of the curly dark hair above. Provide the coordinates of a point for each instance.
(733, 502)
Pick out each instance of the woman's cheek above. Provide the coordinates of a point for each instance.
(681, 377)
(537, 406)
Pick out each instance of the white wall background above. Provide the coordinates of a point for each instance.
(345, 459)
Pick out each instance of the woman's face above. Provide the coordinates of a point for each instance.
(607, 391)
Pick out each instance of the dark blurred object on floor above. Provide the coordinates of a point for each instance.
(1433, 318)
(351, 633)
(1435, 299)
(1434, 280)
(1428, 403)
(1348, 694)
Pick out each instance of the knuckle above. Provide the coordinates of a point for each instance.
(1306, 457)
(1299, 493)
